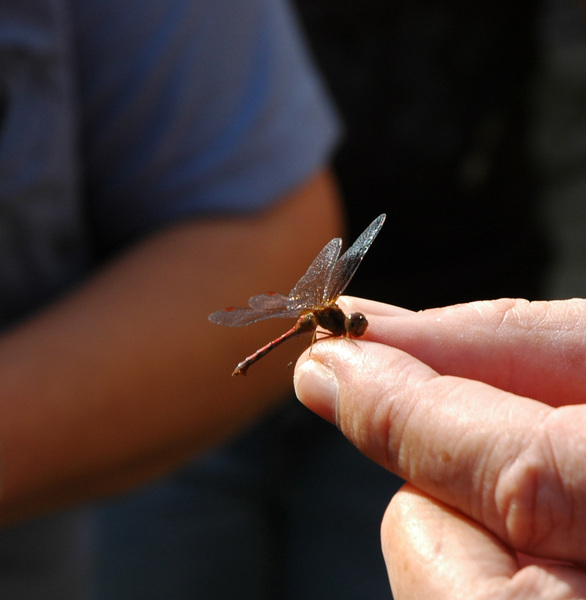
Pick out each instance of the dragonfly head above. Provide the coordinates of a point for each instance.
(356, 324)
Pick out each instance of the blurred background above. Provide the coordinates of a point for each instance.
(559, 143)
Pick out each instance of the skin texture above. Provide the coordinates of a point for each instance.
(125, 377)
(480, 408)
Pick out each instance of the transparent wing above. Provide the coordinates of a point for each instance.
(268, 301)
(262, 306)
(239, 317)
(309, 290)
(344, 269)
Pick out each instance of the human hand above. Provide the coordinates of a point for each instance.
(478, 406)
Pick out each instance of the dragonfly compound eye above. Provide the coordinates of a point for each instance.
(356, 324)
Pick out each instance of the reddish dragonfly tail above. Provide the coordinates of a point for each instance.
(304, 324)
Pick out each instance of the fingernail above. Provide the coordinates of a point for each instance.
(316, 387)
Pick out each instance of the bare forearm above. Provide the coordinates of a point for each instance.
(125, 378)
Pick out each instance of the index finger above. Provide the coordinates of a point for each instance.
(534, 349)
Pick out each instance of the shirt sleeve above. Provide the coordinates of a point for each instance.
(193, 107)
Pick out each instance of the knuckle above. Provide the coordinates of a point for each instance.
(530, 497)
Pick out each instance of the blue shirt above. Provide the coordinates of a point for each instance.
(118, 118)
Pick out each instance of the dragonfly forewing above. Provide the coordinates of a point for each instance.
(343, 271)
(309, 290)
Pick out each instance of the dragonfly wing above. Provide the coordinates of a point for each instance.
(309, 290)
(239, 317)
(325, 279)
(344, 269)
(268, 301)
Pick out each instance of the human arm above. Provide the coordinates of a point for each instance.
(125, 377)
(478, 406)
(181, 125)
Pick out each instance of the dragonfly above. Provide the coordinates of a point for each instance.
(312, 300)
